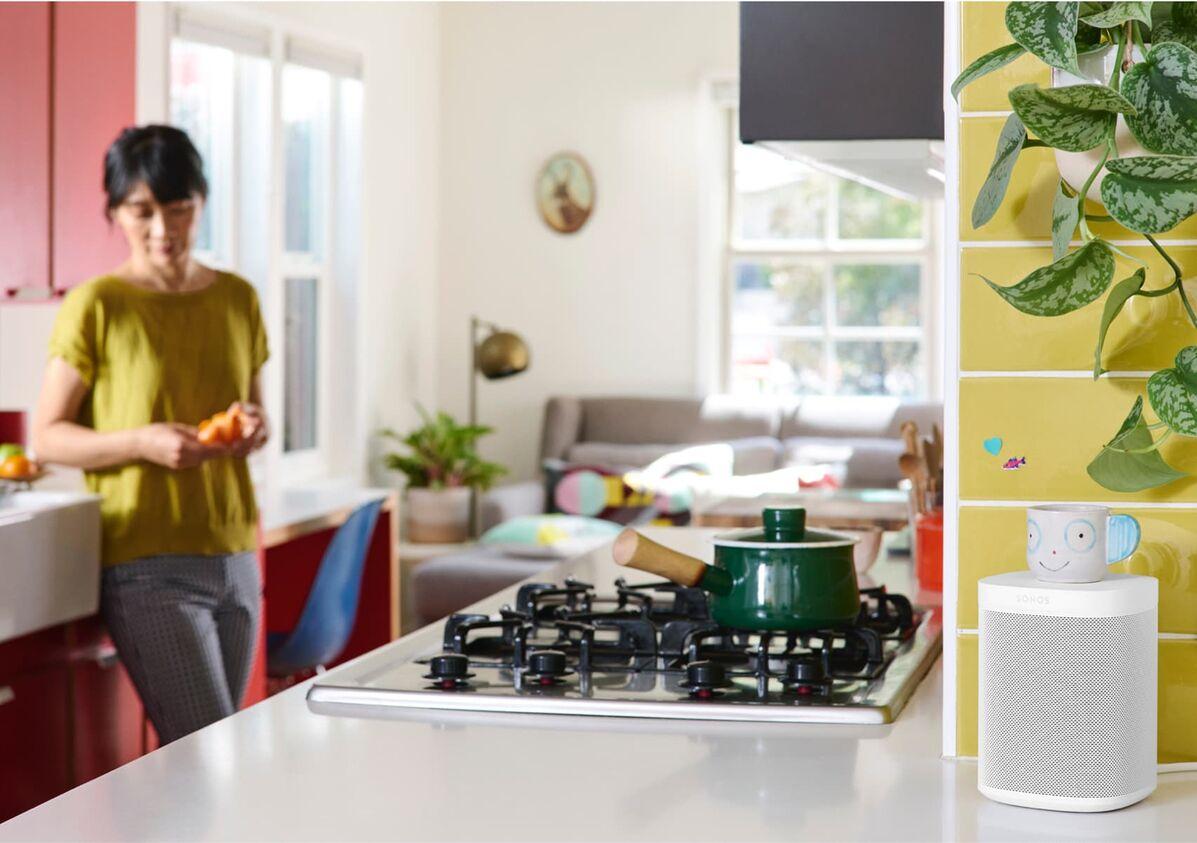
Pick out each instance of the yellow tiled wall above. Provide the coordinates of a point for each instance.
(1057, 424)
(1019, 383)
(1026, 212)
(984, 29)
(1143, 338)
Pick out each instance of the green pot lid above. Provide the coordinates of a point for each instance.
(783, 527)
(752, 537)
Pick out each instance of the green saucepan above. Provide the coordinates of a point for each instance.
(779, 577)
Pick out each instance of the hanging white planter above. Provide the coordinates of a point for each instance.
(1075, 167)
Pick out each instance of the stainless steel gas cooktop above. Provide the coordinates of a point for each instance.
(651, 650)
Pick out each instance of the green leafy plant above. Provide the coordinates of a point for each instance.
(1148, 194)
(442, 454)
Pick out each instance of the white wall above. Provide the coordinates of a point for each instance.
(24, 335)
(612, 307)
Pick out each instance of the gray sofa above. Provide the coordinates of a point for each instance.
(860, 433)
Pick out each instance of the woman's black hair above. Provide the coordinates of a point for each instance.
(161, 156)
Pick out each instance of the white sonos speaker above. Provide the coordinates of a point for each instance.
(1067, 691)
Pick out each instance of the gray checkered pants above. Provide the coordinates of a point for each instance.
(185, 629)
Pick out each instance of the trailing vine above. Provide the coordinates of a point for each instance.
(1156, 97)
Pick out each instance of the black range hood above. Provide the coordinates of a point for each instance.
(853, 88)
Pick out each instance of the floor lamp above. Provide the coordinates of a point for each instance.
(500, 355)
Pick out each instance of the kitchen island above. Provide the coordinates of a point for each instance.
(279, 771)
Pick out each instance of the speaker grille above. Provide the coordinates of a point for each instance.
(1067, 705)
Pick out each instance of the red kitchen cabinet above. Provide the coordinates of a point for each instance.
(24, 147)
(94, 97)
(68, 713)
(67, 87)
(34, 739)
(256, 688)
(107, 714)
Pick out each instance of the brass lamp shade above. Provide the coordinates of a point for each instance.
(502, 355)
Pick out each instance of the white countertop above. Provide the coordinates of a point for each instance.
(278, 771)
(283, 506)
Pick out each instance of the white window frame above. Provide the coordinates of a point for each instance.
(296, 466)
(260, 35)
(830, 251)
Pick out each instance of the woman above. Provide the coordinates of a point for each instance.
(138, 357)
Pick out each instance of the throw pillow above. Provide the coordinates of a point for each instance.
(549, 536)
(594, 491)
(661, 493)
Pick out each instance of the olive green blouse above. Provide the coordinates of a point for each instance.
(150, 356)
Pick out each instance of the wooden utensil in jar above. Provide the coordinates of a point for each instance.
(914, 469)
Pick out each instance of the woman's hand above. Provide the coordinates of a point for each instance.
(171, 444)
(254, 430)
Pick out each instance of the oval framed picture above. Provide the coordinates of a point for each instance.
(565, 192)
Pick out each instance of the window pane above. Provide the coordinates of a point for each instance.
(878, 368)
(299, 389)
(307, 98)
(253, 183)
(777, 366)
(865, 213)
(777, 198)
(877, 294)
(201, 104)
(776, 293)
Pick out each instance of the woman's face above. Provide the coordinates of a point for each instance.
(159, 233)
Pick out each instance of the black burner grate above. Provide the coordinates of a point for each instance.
(661, 628)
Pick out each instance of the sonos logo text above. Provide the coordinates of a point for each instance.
(1040, 599)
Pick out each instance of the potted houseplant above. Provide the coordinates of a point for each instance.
(443, 469)
(1137, 123)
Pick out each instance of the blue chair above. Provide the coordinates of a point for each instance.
(328, 615)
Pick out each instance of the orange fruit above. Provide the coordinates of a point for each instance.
(208, 434)
(223, 428)
(228, 427)
(16, 467)
(219, 426)
(233, 426)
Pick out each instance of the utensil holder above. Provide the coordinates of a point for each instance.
(928, 549)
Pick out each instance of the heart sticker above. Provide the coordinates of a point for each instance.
(993, 446)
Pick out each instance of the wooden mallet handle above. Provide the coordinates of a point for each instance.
(636, 551)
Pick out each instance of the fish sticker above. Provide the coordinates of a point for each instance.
(1014, 463)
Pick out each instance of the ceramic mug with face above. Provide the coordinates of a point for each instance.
(1075, 542)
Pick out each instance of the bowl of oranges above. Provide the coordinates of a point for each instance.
(17, 469)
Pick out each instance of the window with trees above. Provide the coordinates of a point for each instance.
(827, 282)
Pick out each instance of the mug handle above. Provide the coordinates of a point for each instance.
(1122, 538)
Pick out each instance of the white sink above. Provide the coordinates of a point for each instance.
(49, 560)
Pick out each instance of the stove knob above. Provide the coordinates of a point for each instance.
(804, 670)
(547, 663)
(448, 666)
(705, 674)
